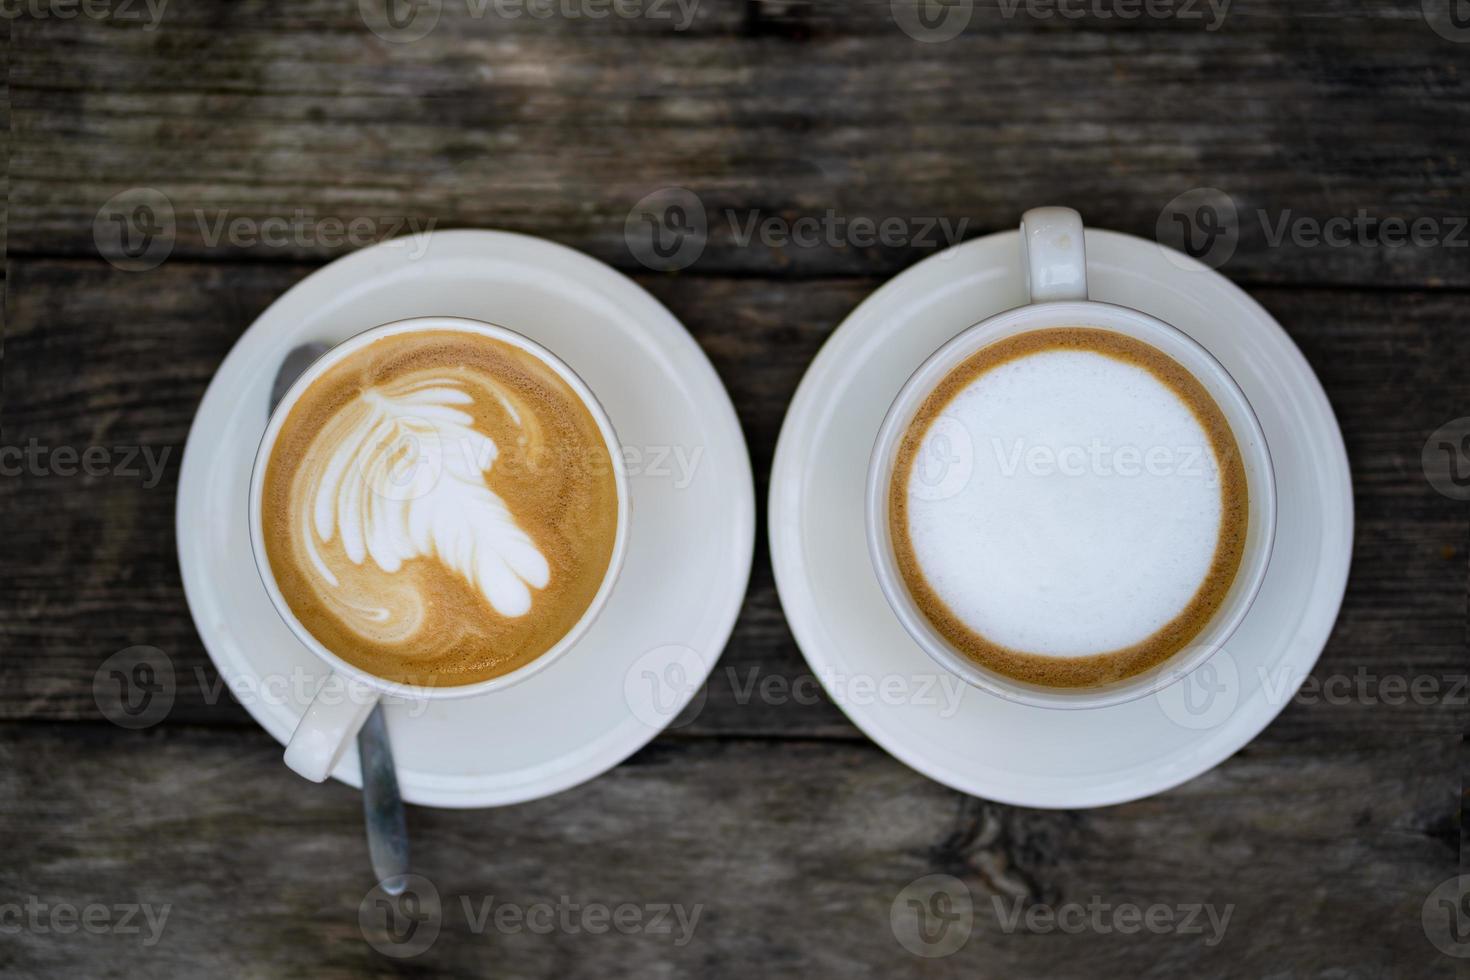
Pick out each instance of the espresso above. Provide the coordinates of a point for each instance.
(439, 508)
(1068, 507)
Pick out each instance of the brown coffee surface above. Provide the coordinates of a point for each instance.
(1105, 666)
(439, 508)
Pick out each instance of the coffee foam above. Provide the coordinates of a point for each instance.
(439, 508)
(1068, 507)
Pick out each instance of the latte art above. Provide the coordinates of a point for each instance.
(440, 507)
(404, 478)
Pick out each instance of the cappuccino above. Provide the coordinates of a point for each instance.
(1068, 507)
(439, 507)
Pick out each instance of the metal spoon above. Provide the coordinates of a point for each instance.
(382, 806)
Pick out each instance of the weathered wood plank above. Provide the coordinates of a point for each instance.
(793, 853)
(782, 111)
(99, 357)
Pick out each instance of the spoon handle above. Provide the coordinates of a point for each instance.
(382, 807)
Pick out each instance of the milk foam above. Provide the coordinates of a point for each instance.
(405, 478)
(1065, 503)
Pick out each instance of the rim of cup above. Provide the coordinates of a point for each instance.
(1233, 404)
(267, 443)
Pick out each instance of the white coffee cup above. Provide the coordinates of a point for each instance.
(347, 695)
(1054, 258)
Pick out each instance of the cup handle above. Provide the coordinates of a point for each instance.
(1054, 254)
(339, 708)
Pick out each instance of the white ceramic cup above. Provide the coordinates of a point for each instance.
(347, 695)
(1055, 262)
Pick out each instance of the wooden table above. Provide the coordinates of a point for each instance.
(793, 833)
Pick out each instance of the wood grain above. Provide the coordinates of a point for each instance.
(765, 111)
(795, 854)
(100, 357)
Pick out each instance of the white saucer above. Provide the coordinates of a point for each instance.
(1009, 752)
(690, 547)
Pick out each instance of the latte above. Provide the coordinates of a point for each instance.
(439, 508)
(1068, 507)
